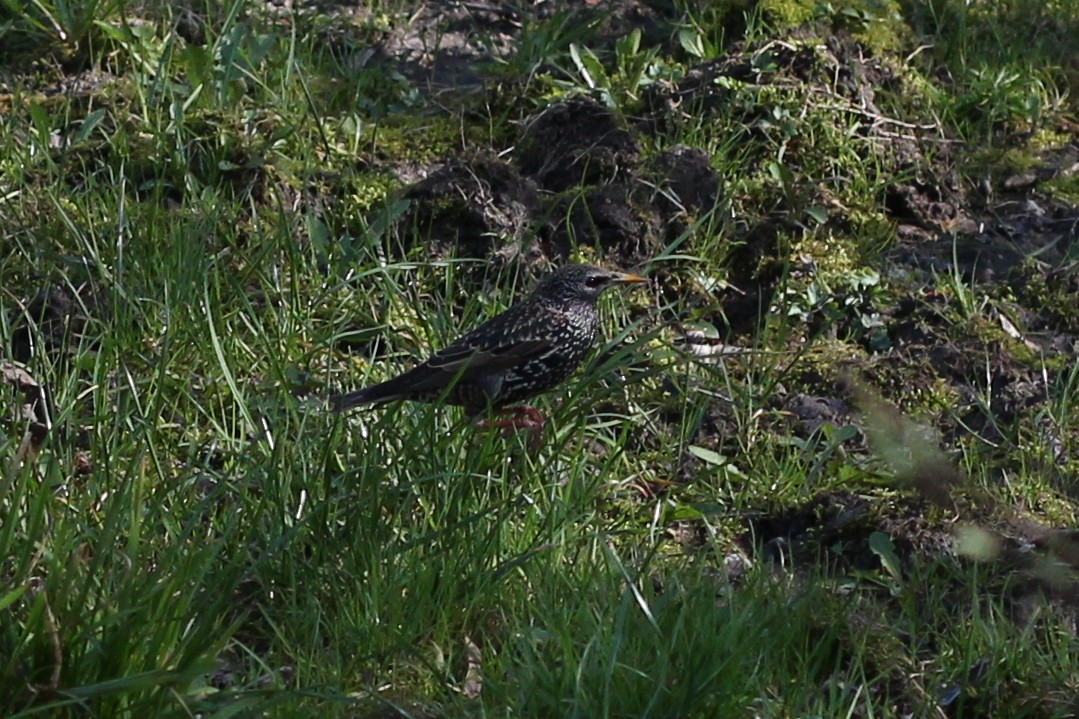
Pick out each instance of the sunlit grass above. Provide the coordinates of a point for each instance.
(198, 536)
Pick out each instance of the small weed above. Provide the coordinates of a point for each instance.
(635, 69)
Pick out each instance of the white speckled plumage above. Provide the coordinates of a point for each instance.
(530, 348)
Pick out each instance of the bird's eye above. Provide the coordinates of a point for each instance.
(596, 281)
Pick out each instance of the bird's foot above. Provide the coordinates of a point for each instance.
(525, 418)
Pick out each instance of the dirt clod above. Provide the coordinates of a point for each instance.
(691, 183)
(478, 208)
(54, 321)
(573, 143)
(606, 216)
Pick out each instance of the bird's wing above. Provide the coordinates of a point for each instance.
(460, 361)
(468, 362)
(481, 358)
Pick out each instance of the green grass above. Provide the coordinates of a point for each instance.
(197, 535)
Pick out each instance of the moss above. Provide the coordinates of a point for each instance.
(922, 393)
(1047, 507)
(877, 24)
(1053, 299)
(834, 257)
(871, 226)
(369, 190)
(421, 140)
(786, 14)
(1050, 137)
(584, 253)
(1002, 163)
(914, 385)
(831, 358)
(1063, 188)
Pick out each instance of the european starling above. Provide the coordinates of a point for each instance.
(528, 349)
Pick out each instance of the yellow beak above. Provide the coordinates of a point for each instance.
(628, 278)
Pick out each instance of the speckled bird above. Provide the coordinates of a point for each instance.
(528, 349)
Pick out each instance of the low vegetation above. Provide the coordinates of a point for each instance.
(826, 464)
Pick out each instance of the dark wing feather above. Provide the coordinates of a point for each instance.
(475, 361)
(509, 340)
(459, 363)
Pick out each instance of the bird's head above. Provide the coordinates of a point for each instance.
(582, 283)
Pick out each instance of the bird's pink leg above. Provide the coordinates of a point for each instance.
(522, 417)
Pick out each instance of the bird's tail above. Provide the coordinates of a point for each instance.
(341, 402)
(375, 394)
